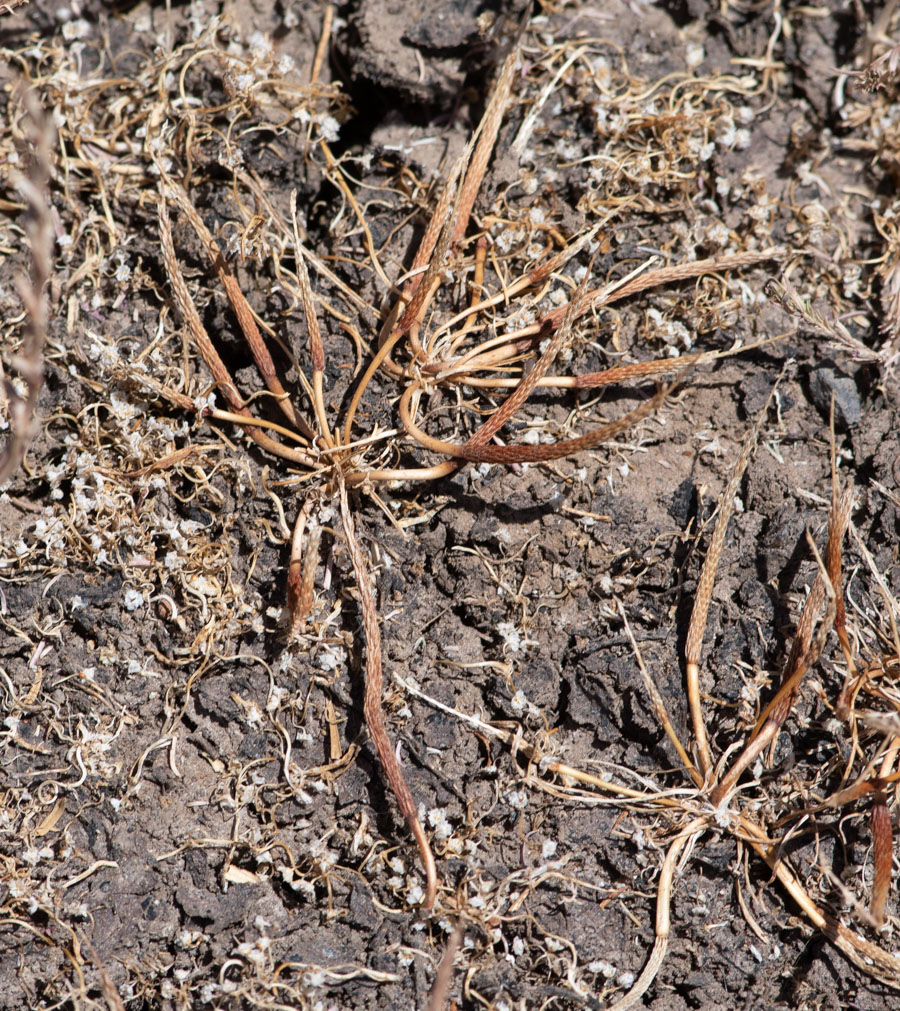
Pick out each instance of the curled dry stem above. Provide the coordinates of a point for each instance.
(682, 843)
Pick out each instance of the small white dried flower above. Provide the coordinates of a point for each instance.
(517, 799)
(512, 640)
(694, 55)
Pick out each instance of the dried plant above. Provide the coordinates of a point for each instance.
(445, 357)
(447, 368)
(881, 71)
(803, 309)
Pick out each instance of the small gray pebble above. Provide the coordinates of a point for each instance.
(827, 380)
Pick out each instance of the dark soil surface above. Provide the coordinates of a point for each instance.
(191, 813)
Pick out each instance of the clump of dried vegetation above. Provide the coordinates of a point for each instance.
(500, 302)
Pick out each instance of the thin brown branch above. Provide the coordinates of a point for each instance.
(882, 856)
(444, 975)
(239, 304)
(316, 348)
(372, 701)
(302, 568)
(324, 41)
(694, 643)
(201, 338)
(23, 420)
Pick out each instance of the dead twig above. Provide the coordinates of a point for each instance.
(444, 975)
(700, 610)
(372, 701)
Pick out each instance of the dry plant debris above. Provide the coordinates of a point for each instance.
(455, 324)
